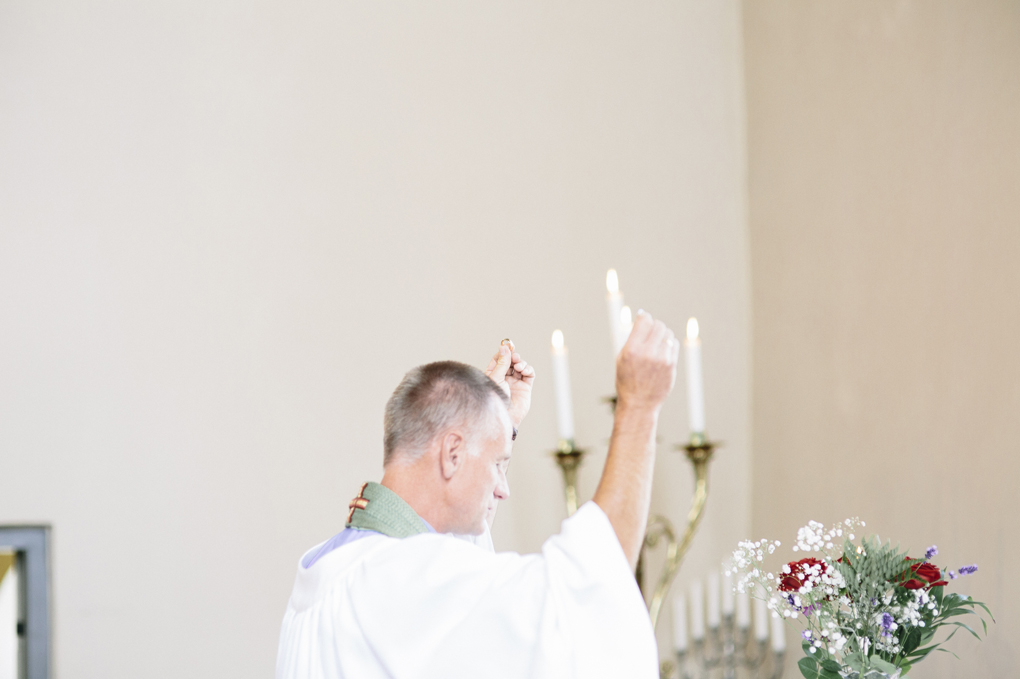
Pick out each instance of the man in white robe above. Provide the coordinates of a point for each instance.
(396, 594)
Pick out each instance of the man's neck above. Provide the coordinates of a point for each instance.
(415, 487)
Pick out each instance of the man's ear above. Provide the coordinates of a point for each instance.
(451, 454)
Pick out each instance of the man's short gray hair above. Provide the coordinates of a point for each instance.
(432, 398)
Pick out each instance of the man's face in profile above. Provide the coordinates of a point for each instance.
(484, 481)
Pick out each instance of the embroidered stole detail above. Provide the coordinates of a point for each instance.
(380, 509)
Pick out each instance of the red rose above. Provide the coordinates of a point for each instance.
(790, 583)
(794, 580)
(924, 575)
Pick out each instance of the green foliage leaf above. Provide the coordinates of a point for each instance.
(922, 653)
(966, 627)
(912, 640)
(812, 670)
(884, 665)
(978, 603)
(808, 667)
(855, 661)
(831, 665)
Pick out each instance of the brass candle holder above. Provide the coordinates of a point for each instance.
(569, 459)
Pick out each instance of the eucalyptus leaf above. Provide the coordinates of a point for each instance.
(884, 665)
(855, 661)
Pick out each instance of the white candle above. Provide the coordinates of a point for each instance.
(614, 304)
(778, 634)
(727, 592)
(626, 325)
(761, 620)
(695, 388)
(561, 382)
(743, 610)
(680, 624)
(697, 611)
(712, 582)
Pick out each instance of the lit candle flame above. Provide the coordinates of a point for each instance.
(612, 281)
(557, 339)
(625, 317)
(692, 328)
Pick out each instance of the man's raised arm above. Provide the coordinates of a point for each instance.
(645, 373)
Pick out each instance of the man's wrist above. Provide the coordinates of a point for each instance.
(628, 408)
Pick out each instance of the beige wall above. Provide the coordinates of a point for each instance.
(884, 151)
(226, 230)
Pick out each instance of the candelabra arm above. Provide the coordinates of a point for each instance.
(699, 452)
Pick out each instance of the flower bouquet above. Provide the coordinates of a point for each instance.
(868, 610)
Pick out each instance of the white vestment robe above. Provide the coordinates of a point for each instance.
(432, 605)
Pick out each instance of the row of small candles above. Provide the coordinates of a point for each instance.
(620, 326)
(718, 602)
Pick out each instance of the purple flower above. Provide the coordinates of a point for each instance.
(874, 602)
(967, 570)
(887, 621)
(806, 634)
(932, 551)
(952, 575)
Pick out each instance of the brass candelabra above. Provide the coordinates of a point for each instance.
(699, 451)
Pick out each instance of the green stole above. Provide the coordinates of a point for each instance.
(379, 509)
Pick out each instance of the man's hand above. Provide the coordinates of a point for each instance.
(516, 382)
(646, 366)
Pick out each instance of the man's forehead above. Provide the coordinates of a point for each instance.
(507, 431)
(501, 411)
